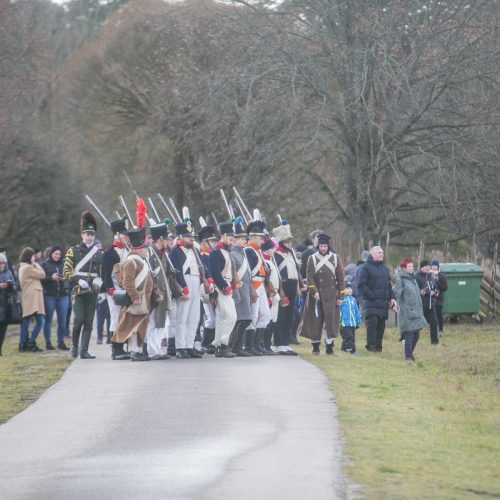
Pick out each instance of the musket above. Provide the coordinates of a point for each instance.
(172, 216)
(215, 219)
(175, 209)
(152, 205)
(228, 206)
(96, 208)
(130, 184)
(124, 205)
(240, 199)
(240, 208)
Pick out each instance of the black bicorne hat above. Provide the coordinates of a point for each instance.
(158, 231)
(324, 239)
(137, 237)
(118, 226)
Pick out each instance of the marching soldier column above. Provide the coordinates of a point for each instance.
(244, 286)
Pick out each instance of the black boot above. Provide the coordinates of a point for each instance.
(182, 354)
(251, 343)
(109, 337)
(315, 346)
(329, 349)
(266, 340)
(86, 355)
(171, 351)
(118, 353)
(224, 352)
(23, 346)
(32, 347)
(239, 349)
(194, 353)
(62, 346)
(208, 338)
(259, 341)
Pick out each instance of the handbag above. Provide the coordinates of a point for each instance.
(121, 298)
(14, 314)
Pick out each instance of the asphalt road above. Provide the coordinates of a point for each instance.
(254, 428)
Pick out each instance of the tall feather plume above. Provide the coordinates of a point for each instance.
(140, 212)
(185, 214)
(202, 222)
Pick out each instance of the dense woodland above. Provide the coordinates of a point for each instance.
(364, 117)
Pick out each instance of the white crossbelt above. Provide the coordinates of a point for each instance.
(87, 257)
(141, 277)
(325, 261)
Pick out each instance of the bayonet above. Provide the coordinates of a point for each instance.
(124, 205)
(238, 197)
(96, 208)
(152, 205)
(172, 216)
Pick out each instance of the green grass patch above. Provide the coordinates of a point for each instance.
(429, 429)
(25, 376)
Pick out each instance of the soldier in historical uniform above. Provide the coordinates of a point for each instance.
(221, 271)
(325, 283)
(260, 309)
(188, 267)
(243, 296)
(137, 280)
(160, 267)
(290, 279)
(115, 254)
(208, 241)
(82, 268)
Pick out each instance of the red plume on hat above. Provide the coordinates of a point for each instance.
(140, 212)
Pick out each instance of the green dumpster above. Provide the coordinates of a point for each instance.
(464, 286)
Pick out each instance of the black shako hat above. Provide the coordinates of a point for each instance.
(256, 228)
(118, 226)
(137, 237)
(158, 231)
(207, 233)
(185, 229)
(227, 228)
(238, 229)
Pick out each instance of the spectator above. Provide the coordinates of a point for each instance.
(442, 283)
(7, 293)
(10, 267)
(31, 275)
(364, 257)
(56, 297)
(349, 320)
(429, 292)
(410, 313)
(374, 285)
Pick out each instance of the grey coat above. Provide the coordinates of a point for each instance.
(410, 312)
(241, 295)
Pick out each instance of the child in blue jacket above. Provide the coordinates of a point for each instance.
(349, 320)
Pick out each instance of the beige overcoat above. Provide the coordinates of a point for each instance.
(30, 276)
(128, 324)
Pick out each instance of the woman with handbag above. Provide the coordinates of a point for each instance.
(8, 298)
(31, 275)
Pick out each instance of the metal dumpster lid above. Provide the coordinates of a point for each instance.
(461, 267)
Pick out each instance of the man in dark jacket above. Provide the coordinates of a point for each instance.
(442, 283)
(374, 286)
(429, 292)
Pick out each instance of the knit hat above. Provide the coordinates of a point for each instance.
(348, 284)
(424, 262)
(3, 259)
(435, 262)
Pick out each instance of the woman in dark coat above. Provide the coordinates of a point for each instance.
(55, 295)
(7, 292)
(410, 314)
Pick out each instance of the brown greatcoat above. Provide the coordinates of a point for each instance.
(329, 286)
(128, 324)
(30, 276)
